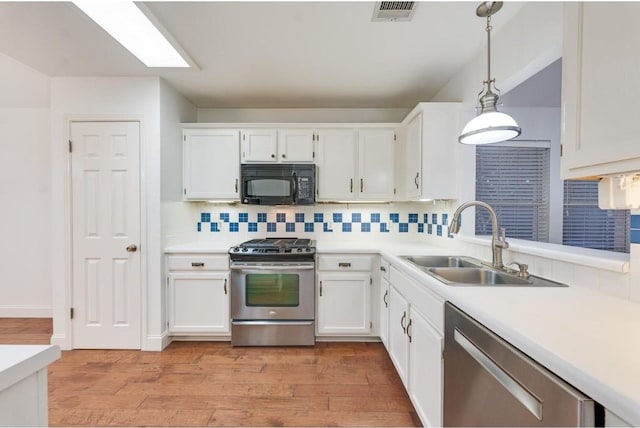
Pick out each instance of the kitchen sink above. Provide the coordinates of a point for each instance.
(441, 261)
(479, 276)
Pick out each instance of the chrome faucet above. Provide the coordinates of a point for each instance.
(498, 241)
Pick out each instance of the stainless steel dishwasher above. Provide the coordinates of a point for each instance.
(488, 382)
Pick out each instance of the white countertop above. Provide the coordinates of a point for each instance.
(589, 339)
(19, 361)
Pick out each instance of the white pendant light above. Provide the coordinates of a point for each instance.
(490, 126)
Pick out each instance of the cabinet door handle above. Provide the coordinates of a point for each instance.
(415, 180)
(384, 299)
(408, 329)
(236, 187)
(197, 264)
(383, 269)
(351, 185)
(320, 288)
(344, 264)
(404, 316)
(284, 156)
(362, 185)
(272, 155)
(225, 286)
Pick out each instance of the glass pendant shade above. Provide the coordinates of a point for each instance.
(490, 127)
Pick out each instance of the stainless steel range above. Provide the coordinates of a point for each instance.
(273, 292)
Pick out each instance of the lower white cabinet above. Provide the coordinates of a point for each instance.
(198, 295)
(416, 342)
(343, 295)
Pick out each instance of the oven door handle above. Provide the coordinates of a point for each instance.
(276, 268)
(272, 322)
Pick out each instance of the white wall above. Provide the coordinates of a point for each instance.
(25, 193)
(107, 99)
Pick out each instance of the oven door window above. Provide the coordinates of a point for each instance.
(264, 187)
(272, 289)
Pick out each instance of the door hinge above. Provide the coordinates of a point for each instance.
(71, 313)
(370, 280)
(184, 190)
(313, 155)
(395, 137)
(560, 150)
(394, 190)
(71, 146)
(370, 324)
(184, 138)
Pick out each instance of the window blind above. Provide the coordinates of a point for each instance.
(515, 182)
(586, 225)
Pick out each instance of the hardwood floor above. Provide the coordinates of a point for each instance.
(215, 384)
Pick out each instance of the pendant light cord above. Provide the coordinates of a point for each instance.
(489, 28)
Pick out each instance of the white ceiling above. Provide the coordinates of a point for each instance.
(267, 54)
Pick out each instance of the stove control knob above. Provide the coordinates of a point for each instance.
(244, 250)
(235, 250)
(299, 250)
(308, 250)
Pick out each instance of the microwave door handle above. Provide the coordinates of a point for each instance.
(295, 188)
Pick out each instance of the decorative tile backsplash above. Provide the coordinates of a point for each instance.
(323, 222)
(635, 229)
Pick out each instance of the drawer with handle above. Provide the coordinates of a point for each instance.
(345, 262)
(385, 268)
(198, 262)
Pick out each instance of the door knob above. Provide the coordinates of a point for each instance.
(132, 248)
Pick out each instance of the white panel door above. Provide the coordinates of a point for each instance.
(259, 145)
(296, 145)
(105, 165)
(375, 164)
(344, 303)
(336, 155)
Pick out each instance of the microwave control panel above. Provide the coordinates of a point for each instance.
(305, 188)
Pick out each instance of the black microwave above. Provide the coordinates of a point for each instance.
(278, 184)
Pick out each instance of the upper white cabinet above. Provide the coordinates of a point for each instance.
(296, 145)
(351, 168)
(211, 164)
(431, 139)
(277, 145)
(600, 88)
(259, 145)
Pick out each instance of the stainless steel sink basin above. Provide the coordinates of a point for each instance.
(441, 261)
(479, 276)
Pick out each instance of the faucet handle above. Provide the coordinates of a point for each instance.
(524, 273)
(502, 238)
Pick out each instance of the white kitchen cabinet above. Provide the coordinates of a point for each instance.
(296, 145)
(336, 160)
(383, 303)
(425, 369)
(198, 295)
(356, 169)
(211, 164)
(430, 148)
(259, 145)
(601, 56)
(375, 164)
(398, 342)
(343, 295)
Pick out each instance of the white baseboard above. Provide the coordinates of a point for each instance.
(155, 342)
(25, 311)
(61, 341)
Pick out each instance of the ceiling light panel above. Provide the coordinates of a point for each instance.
(126, 23)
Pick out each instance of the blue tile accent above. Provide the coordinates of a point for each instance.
(445, 219)
(253, 227)
(375, 217)
(635, 236)
(635, 221)
(243, 217)
(318, 217)
(394, 217)
(214, 227)
(290, 227)
(325, 227)
(308, 227)
(337, 217)
(434, 218)
(299, 217)
(430, 229)
(420, 227)
(262, 217)
(205, 217)
(224, 217)
(234, 227)
(425, 218)
(346, 227)
(404, 227)
(281, 217)
(356, 217)
(365, 227)
(199, 227)
(439, 230)
(383, 227)
(271, 227)
(413, 218)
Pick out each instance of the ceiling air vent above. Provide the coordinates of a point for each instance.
(394, 10)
